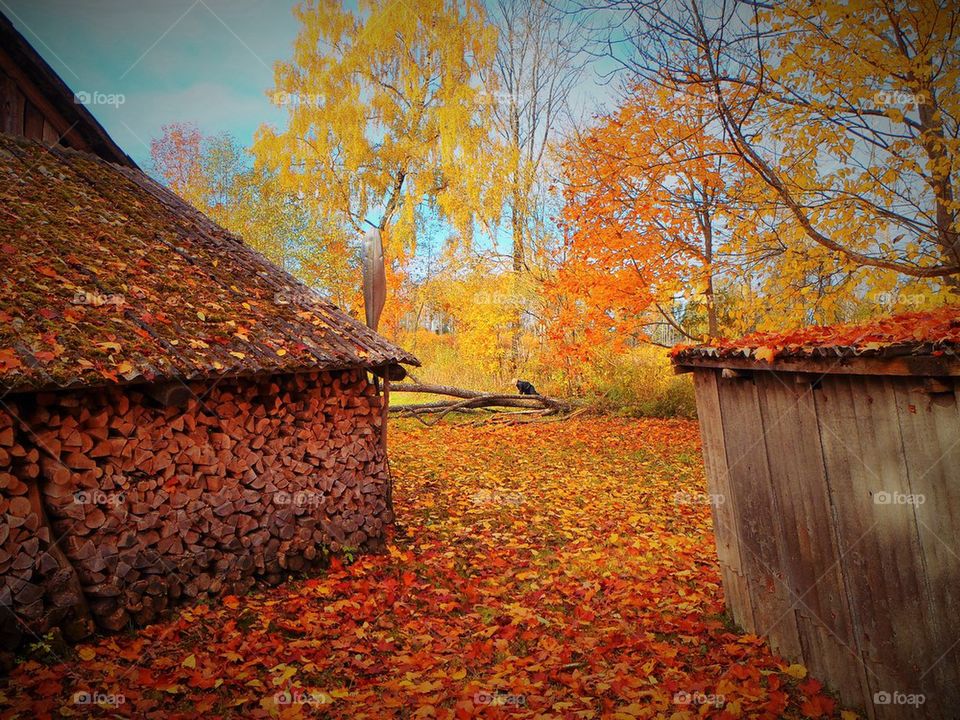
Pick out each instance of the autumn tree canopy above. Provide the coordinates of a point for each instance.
(845, 113)
(384, 115)
(644, 189)
(837, 127)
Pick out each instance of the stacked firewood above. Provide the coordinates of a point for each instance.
(160, 493)
(38, 586)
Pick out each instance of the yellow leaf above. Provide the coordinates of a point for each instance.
(765, 353)
(190, 661)
(286, 672)
(796, 670)
(87, 653)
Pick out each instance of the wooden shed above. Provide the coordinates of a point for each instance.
(834, 458)
(178, 416)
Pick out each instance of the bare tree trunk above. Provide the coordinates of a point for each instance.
(712, 326)
(537, 64)
(518, 267)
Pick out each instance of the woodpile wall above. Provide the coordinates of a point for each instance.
(117, 502)
(837, 519)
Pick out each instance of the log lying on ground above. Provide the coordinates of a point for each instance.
(470, 400)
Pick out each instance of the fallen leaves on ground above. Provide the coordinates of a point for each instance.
(562, 570)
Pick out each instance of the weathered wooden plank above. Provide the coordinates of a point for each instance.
(863, 454)
(757, 515)
(28, 90)
(808, 540)
(930, 427)
(32, 122)
(724, 507)
(50, 134)
(11, 106)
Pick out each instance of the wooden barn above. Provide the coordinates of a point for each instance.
(178, 416)
(834, 458)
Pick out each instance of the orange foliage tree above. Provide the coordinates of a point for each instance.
(643, 191)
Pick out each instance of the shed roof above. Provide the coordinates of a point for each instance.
(109, 277)
(933, 336)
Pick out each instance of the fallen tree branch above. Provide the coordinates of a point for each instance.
(525, 417)
(471, 400)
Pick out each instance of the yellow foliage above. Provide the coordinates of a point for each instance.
(384, 114)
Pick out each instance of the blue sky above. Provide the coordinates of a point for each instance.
(203, 61)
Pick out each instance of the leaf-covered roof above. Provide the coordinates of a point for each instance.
(109, 277)
(936, 333)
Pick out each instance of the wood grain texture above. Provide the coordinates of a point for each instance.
(930, 428)
(32, 122)
(809, 544)
(11, 106)
(905, 365)
(724, 507)
(758, 516)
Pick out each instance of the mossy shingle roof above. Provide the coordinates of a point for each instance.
(109, 277)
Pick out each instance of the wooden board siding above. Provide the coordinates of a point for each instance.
(903, 365)
(35, 102)
(839, 537)
(931, 445)
(723, 508)
(757, 516)
(809, 544)
(20, 117)
(864, 454)
(11, 106)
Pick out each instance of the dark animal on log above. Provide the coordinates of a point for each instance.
(525, 388)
